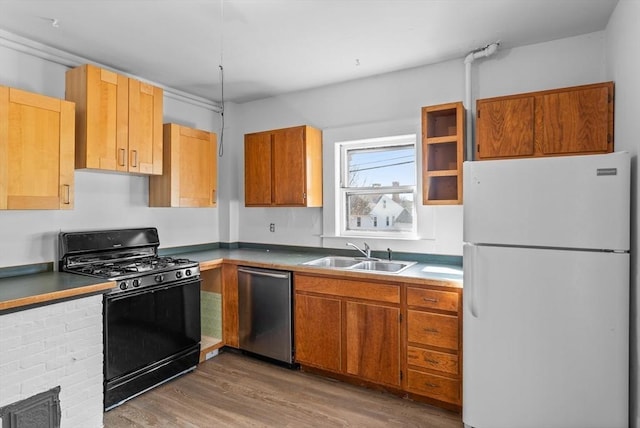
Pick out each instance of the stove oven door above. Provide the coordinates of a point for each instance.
(150, 336)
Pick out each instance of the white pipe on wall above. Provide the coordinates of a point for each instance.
(480, 53)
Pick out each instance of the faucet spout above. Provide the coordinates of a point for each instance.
(366, 252)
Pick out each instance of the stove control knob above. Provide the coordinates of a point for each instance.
(187, 272)
(159, 278)
(123, 285)
(136, 283)
(179, 274)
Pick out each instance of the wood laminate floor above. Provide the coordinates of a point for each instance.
(233, 390)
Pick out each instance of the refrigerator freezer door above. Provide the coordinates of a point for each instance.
(545, 338)
(567, 202)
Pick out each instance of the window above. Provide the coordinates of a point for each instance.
(378, 180)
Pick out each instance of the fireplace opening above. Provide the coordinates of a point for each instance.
(38, 411)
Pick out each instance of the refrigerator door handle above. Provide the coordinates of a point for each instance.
(470, 278)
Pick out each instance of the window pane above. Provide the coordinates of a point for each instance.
(383, 166)
(387, 212)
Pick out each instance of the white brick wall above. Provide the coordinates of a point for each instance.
(57, 344)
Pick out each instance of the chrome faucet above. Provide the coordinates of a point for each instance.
(366, 252)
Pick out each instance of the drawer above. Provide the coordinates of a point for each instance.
(381, 292)
(432, 299)
(437, 387)
(434, 360)
(432, 329)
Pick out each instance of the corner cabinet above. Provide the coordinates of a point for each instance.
(189, 169)
(118, 121)
(443, 133)
(283, 167)
(36, 151)
(566, 121)
(349, 327)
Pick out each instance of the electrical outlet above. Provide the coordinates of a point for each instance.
(272, 227)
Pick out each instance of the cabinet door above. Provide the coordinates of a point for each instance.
(318, 332)
(102, 114)
(145, 128)
(36, 151)
(505, 128)
(289, 167)
(230, 305)
(190, 169)
(575, 121)
(257, 169)
(197, 168)
(373, 342)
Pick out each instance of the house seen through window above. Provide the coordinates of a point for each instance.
(377, 186)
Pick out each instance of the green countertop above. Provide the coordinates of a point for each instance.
(26, 291)
(279, 259)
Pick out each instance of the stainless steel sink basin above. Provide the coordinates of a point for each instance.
(333, 262)
(354, 263)
(382, 266)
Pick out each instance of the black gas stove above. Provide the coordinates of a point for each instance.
(129, 257)
(151, 323)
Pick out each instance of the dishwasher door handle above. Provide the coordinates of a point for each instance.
(261, 273)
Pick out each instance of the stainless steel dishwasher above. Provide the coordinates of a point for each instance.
(264, 304)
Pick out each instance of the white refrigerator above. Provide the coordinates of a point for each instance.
(546, 292)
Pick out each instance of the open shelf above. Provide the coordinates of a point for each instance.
(442, 153)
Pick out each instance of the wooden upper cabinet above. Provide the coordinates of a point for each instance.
(257, 169)
(443, 136)
(577, 121)
(505, 127)
(574, 120)
(36, 151)
(283, 167)
(190, 169)
(145, 128)
(118, 121)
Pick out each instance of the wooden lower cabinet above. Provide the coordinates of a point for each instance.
(230, 326)
(373, 342)
(318, 332)
(434, 344)
(348, 327)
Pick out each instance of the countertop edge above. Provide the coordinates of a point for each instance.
(54, 296)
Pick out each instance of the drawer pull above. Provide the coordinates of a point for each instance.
(431, 330)
(430, 299)
(432, 385)
(431, 361)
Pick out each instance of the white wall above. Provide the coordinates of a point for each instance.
(623, 64)
(102, 200)
(389, 105)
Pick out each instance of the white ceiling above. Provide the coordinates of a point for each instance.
(270, 47)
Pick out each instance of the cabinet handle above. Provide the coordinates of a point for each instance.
(430, 299)
(432, 385)
(121, 156)
(213, 195)
(67, 194)
(431, 330)
(134, 155)
(431, 361)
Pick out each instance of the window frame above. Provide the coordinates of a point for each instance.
(342, 192)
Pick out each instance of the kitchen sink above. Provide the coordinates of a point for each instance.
(334, 262)
(360, 264)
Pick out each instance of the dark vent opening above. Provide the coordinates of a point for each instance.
(38, 411)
